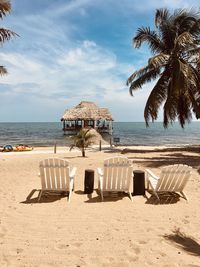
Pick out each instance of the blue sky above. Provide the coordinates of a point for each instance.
(74, 50)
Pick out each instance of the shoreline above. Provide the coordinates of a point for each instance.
(119, 148)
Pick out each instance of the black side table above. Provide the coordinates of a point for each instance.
(89, 181)
(138, 183)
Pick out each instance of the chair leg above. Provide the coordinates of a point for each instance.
(156, 195)
(69, 197)
(101, 195)
(39, 196)
(184, 195)
(130, 195)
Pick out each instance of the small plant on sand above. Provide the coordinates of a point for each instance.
(82, 140)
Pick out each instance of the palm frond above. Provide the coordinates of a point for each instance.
(184, 110)
(161, 16)
(145, 34)
(82, 139)
(192, 55)
(195, 29)
(159, 60)
(156, 98)
(138, 74)
(184, 20)
(183, 41)
(3, 71)
(175, 45)
(71, 147)
(6, 35)
(170, 110)
(178, 103)
(168, 36)
(5, 7)
(152, 74)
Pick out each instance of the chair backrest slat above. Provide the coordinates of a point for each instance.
(117, 174)
(57, 174)
(54, 174)
(173, 178)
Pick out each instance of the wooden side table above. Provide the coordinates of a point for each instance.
(89, 181)
(138, 183)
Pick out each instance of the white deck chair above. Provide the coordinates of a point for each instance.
(116, 176)
(56, 176)
(173, 178)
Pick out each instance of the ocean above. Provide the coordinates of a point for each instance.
(130, 133)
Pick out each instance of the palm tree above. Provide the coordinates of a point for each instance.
(175, 65)
(5, 34)
(82, 140)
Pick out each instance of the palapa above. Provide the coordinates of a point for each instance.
(87, 110)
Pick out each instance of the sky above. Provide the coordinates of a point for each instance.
(70, 51)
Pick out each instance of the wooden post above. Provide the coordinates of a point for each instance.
(55, 148)
(99, 145)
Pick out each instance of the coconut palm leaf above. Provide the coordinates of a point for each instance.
(145, 34)
(175, 45)
(5, 7)
(156, 98)
(159, 61)
(195, 29)
(161, 16)
(6, 35)
(82, 140)
(152, 74)
(183, 41)
(138, 74)
(3, 70)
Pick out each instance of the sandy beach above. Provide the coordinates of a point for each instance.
(88, 232)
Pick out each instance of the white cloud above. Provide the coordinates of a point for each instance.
(51, 69)
(86, 71)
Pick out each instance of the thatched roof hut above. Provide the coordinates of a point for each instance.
(87, 111)
(87, 114)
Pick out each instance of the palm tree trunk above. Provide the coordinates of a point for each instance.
(83, 152)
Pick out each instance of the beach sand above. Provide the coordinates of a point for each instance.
(88, 232)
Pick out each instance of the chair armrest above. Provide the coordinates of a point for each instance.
(71, 183)
(100, 182)
(150, 173)
(72, 172)
(100, 171)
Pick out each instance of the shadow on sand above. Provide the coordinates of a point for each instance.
(47, 197)
(165, 198)
(168, 159)
(108, 197)
(184, 242)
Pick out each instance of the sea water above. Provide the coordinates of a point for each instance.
(130, 133)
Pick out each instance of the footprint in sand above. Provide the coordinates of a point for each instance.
(142, 242)
(136, 250)
(62, 246)
(19, 250)
(4, 261)
(130, 256)
(66, 246)
(3, 231)
(186, 221)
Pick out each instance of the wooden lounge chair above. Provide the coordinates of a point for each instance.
(173, 178)
(56, 176)
(116, 176)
